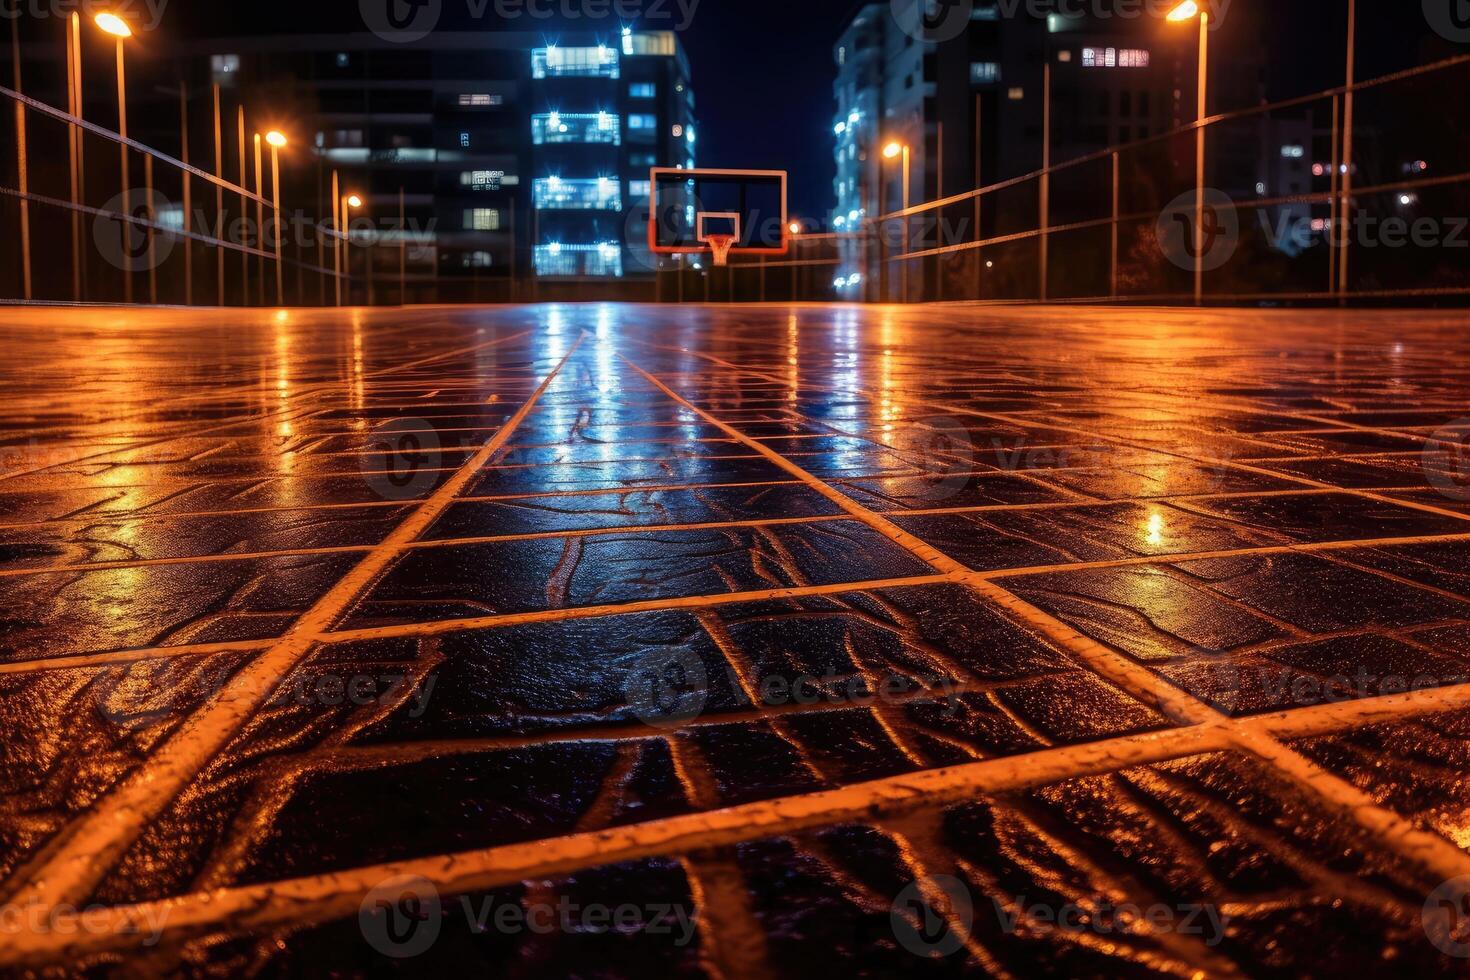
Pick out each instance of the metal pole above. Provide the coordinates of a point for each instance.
(1044, 202)
(244, 208)
(188, 194)
(276, 200)
(403, 252)
(219, 203)
(1345, 209)
(1199, 160)
(336, 241)
(1332, 228)
(148, 232)
(881, 227)
(979, 176)
(122, 153)
(904, 268)
(20, 162)
(74, 150)
(1113, 274)
(259, 225)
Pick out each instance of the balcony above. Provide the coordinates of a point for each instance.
(577, 127)
(558, 62)
(577, 194)
(597, 259)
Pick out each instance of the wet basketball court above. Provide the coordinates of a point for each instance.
(718, 641)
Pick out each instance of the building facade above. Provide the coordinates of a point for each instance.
(967, 102)
(491, 165)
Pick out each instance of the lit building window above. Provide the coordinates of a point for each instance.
(482, 219)
(642, 159)
(984, 72)
(641, 120)
(677, 131)
(639, 189)
(576, 127)
(477, 260)
(642, 90)
(224, 68)
(1016, 94)
(578, 194)
(484, 180)
(1115, 58)
(1293, 151)
(650, 43)
(464, 140)
(555, 62)
(480, 99)
(595, 259)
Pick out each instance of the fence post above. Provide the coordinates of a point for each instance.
(1113, 269)
(20, 161)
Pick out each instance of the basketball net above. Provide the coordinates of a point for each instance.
(720, 246)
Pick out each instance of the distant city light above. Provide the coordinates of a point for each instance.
(892, 150)
(840, 128)
(275, 139)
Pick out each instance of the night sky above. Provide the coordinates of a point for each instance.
(763, 69)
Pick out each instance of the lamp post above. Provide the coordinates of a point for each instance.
(119, 29)
(276, 141)
(1186, 11)
(349, 201)
(1345, 184)
(890, 151)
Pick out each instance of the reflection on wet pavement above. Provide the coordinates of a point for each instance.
(892, 641)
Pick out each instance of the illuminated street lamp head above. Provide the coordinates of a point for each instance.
(794, 228)
(275, 138)
(113, 24)
(892, 150)
(353, 201)
(1185, 11)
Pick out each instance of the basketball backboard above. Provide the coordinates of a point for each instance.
(723, 212)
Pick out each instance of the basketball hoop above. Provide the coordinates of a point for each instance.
(720, 246)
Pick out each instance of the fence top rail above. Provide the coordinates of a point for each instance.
(66, 117)
(1222, 117)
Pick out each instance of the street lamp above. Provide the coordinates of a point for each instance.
(1183, 13)
(349, 201)
(119, 29)
(277, 140)
(893, 149)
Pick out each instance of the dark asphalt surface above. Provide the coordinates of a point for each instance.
(771, 641)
